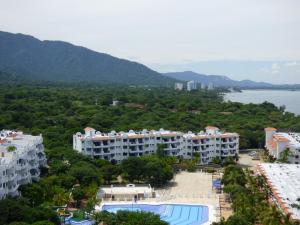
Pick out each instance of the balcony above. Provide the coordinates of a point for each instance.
(224, 153)
(12, 177)
(13, 190)
(21, 166)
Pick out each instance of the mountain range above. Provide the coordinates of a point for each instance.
(23, 57)
(216, 80)
(61, 61)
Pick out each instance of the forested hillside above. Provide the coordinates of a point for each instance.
(31, 58)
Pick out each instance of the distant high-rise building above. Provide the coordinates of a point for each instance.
(191, 85)
(210, 86)
(179, 86)
(203, 86)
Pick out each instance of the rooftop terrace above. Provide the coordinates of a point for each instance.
(284, 180)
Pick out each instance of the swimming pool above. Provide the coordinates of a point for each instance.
(174, 214)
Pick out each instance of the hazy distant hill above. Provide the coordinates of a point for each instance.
(61, 61)
(217, 80)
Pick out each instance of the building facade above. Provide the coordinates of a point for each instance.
(118, 146)
(210, 86)
(277, 142)
(21, 157)
(178, 86)
(191, 85)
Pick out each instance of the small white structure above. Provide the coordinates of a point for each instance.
(277, 142)
(284, 181)
(115, 103)
(191, 85)
(118, 146)
(179, 86)
(21, 157)
(126, 193)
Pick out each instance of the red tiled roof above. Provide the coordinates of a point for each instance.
(281, 138)
(88, 129)
(212, 127)
(270, 129)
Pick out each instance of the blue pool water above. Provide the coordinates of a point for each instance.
(83, 222)
(174, 214)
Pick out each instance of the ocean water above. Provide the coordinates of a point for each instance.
(291, 99)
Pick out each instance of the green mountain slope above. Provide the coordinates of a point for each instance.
(62, 61)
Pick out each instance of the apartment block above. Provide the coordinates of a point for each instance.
(21, 157)
(115, 146)
(277, 142)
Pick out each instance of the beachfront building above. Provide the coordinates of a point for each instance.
(277, 142)
(179, 86)
(115, 146)
(21, 157)
(284, 183)
(191, 85)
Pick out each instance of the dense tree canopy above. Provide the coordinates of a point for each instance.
(59, 110)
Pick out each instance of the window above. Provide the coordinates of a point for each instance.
(97, 143)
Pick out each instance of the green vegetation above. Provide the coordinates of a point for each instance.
(32, 59)
(58, 111)
(149, 169)
(21, 211)
(11, 148)
(284, 156)
(250, 195)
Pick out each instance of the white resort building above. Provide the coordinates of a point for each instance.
(284, 182)
(277, 142)
(21, 157)
(118, 146)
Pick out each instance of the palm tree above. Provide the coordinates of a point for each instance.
(271, 216)
(61, 199)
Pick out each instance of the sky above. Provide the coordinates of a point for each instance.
(243, 39)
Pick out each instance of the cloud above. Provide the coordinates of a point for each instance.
(275, 67)
(275, 71)
(290, 64)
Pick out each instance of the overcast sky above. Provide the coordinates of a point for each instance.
(255, 39)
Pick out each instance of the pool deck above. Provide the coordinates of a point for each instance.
(186, 188)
